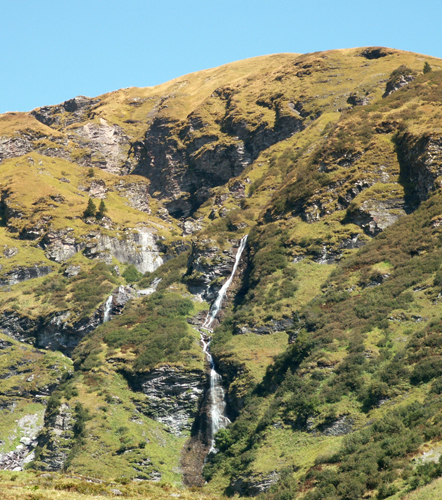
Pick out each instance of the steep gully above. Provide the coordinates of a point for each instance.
(218, 419)
(216, 397)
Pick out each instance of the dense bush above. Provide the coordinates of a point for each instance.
(155, 329)
(131, 274)
(171, 271)
(89, 289)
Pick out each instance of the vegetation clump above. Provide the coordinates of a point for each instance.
(91, 209)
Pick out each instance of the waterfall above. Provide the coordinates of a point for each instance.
(107, 309)
(216, 306)
(218, 418)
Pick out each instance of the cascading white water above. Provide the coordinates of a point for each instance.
(218, 418)
(216, 306)
(107, 309)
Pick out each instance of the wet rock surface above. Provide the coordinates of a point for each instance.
(208, 265)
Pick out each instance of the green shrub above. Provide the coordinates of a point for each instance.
(427, 68)
(131, 274)
(426, 370)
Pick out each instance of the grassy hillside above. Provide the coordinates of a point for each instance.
(328, 342)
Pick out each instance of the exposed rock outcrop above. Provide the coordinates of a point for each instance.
(253, 485)
(373, 216)
(18, 145)
(421, 164)
(23, 454)
(55, 442)
(68, 112)
(173, 396)
(107, 146)
(61, 245)
(22, 273)
(138, 247)
(9, 252)
(186, 175)
(273, 326)
(340, 427)
(206, 268)
(137, 193)
(58, 331)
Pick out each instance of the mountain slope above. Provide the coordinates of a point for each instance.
(328, 342)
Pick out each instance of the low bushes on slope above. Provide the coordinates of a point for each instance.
(346, 355)
(154, 329)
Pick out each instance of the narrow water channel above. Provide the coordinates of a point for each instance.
(217, 410)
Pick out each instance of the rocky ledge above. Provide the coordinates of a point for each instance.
(173, 396)
(23, 273)
(57, 332)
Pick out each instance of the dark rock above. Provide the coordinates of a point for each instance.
(358, 100)
(421, 164)
(37, 230)
(21, 273)
(340, 427)
(281, 325)
(376, 52)
(173, 396)
(57, 439)
(206, 268)
(253, 485)
(77, 108)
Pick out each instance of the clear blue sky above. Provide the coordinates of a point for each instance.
(52, 50)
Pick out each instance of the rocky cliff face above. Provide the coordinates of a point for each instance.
(421, 164)
(58, 332)
(207, 267)
(186, 171)
(21, 273)
(56, 442)
(173, 396)
(137, 247)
